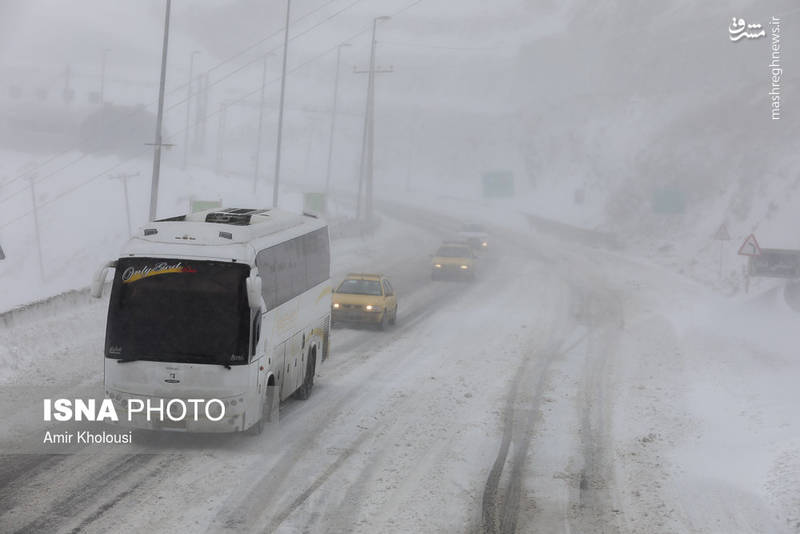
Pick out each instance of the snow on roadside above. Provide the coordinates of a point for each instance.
(707, 413)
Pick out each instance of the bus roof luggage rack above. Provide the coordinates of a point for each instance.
(234, 216)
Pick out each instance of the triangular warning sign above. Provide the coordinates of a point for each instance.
(722, 234)
(750, 247)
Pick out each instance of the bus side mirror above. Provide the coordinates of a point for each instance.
(96, 289)
(254, 290)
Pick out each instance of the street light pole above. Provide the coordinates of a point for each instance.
(157, 144)
(276, 183)
(333, 117)
(188, 109)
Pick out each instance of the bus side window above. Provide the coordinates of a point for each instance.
(265, 261)
(315, 246)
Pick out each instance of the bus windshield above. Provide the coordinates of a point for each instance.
(178, 311)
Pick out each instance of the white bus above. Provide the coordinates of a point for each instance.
(231, 304)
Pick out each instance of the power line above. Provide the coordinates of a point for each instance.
(448, 47)
(181, 87)
(208, 116)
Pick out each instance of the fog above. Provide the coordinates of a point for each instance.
(614, 354)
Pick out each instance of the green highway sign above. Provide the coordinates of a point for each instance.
(202, 205)
(314, 203)
(498, 184)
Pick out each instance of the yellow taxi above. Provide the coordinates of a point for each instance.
(364, 298)
(453, 260)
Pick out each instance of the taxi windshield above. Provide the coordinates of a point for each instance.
(453, 252)
(360, 287)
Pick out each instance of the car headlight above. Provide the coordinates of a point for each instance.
(335, 304)
(438, 265)
(484, 244)
(465, 267)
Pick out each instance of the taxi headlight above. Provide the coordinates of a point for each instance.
(438, 265)
(484, 244)
(335, 304)
(465, 267)
(370, 307)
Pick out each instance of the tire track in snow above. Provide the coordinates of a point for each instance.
(246, 511)
(597, 507)
(62, 510)
(19, 468)
(500, 506)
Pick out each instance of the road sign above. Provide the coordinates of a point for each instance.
(775, 263)
(750, 247)
(722, 234)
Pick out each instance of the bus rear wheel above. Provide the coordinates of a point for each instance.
(304, 392)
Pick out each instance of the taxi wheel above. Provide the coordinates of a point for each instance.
(393, 320)
(384, 321)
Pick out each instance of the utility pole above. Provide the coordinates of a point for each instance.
(368, 141)
(103, 76)
(32, 178)
(410, 161)
(188, 109)
(68, 94)
(333, 118)
(124, 179)
(221, 137)
(157, 144)
(260, 122)
(276, 183)
(199, 142)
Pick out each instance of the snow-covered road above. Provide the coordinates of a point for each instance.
(556, 393)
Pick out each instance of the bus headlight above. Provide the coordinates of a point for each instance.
(214, 409)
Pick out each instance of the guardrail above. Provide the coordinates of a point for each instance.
(573, 233)
(54, 304)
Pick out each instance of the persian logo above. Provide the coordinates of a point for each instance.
(739, 29)
(132, 275)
